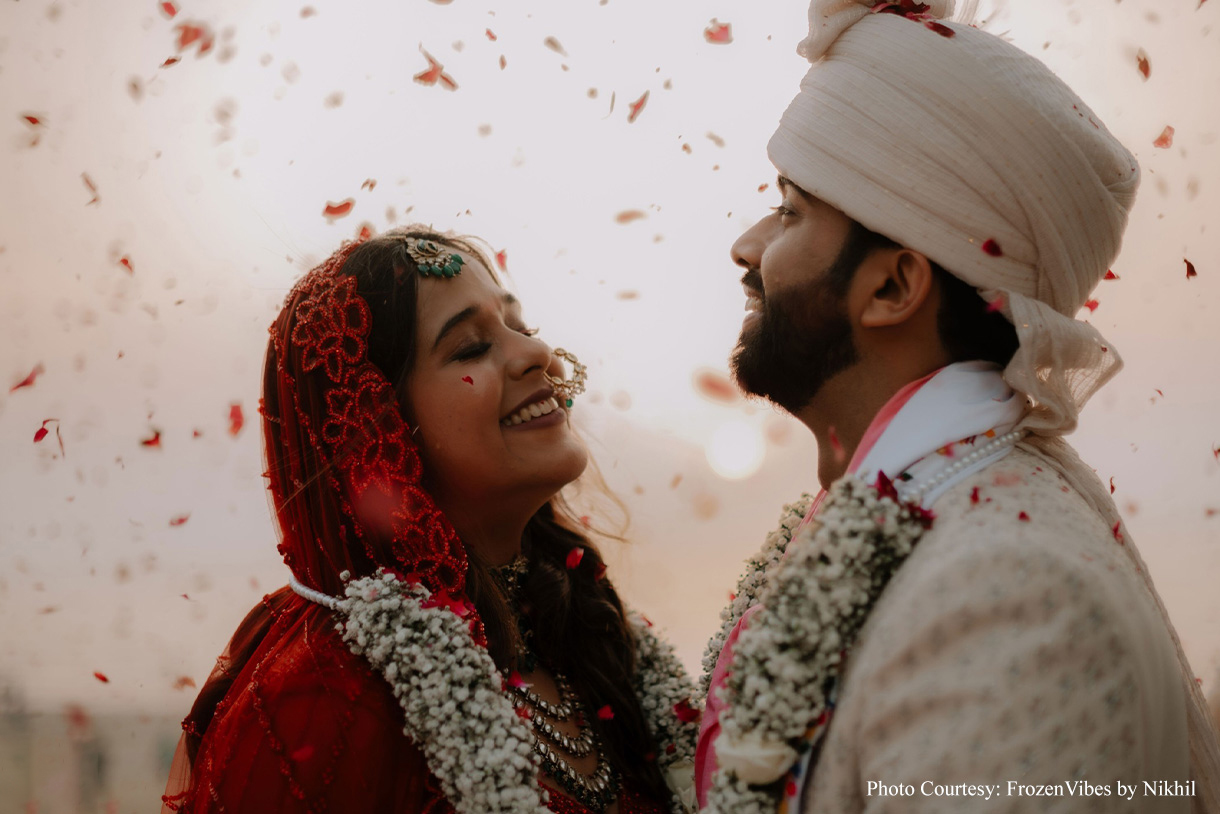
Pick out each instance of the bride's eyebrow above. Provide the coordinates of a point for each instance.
(465, 314)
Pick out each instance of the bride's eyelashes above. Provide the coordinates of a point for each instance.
(474, 350)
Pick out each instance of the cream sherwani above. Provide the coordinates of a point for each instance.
(1016, 644)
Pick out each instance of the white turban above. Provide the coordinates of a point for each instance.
(949, 143)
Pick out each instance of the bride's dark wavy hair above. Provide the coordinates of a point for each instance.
(578, 620)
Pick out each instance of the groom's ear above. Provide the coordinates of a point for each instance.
(892, 286)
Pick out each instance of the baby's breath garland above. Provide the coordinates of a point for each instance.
(750, 586)
(455, 706)
(785, 663)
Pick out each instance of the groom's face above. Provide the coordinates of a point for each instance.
(796, 334)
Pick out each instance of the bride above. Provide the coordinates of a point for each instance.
(448, 640)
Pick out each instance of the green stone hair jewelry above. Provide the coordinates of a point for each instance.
(432, 259)
(569, 389)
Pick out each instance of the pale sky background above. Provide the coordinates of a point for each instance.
(211, 176)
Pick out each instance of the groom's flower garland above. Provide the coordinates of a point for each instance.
(750, 586)
(454, 702)
(787, 660)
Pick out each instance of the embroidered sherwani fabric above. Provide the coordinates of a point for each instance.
(1017, 643)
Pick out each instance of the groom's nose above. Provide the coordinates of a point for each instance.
(747, 250)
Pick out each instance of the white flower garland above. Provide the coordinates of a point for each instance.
(457, 711)
(750, 586)
(789, 657)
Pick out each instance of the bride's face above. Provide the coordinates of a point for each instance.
(477, 365)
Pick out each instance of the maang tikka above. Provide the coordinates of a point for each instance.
(432, 260)
(569, 389)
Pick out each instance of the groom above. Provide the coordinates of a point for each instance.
(948, 206)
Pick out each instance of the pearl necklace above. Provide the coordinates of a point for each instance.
(306, 592)
(918, 490)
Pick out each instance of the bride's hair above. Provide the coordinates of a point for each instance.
(579, 624)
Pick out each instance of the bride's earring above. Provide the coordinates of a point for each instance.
(569, 389)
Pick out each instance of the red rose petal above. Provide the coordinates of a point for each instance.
(1141, 62)
(236, 419)
(180, 519)
(171, 61)
(629, 215)
(169, 10)
(836, 445)
(636, 107)
(182, 682)
(1091, 305)
(1118, 535)
(943, 30)
(718, 32)
(605, 713)
(1110, 275)
(574, 557)
(190, 33)
(974, 496)
(1111, 484)
(716, 386)
(84, 176)
(515, 680)
(468, 380)
(584, 521)
(434, 74)
(685, 712)
(1023, 517)
(1165, 139)
(28, 381)
(996, 305)
(338, 210)
(40, 434)
(366, 231)
(125, 262)
(101, 677)
(154, 441)
(502, 259)
(1216, 453)
(992, 247)
(490, 35)
(34, 120)
(1190, 269)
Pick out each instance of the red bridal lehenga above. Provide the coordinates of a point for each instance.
(290, 719)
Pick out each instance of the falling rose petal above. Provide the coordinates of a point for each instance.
(1141, 62)
(32, 120)
(1190, 269)
(369, 184)
(586, 521)
(1165, 139)
(338, 210)
(308, 12)
(1111, 484)
(605, 713)
(154, 441)
(84, 176)
(490, 35)
(836, 446)
(1023, 517)
(553, 44)
(434, 74)
(1091, 305)
(1110, 275)
(996, 305)
(716, 386)
(171, 61)
(169, 10)
(189, 34)
(40, 434)
(503, 63)
(600, 572)
(182, 682)
(236, 419)
(685, 712)
(502, 259)
(468, 380)
(1118, 535)
(515, 680)
(943, 30)
(1216, 453)
(365, 231)
(101, 677)
(992, 247)
(574, 557)
(718, 32)
(28, 381)
(627, 295)
(974, 496)
(1158, 392)
(628, 215)
(125, 262)
(180, 519)
(636, 107)
(303, 753)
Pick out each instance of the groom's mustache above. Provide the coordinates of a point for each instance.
(752, 280)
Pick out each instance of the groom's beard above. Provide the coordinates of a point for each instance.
(796, 345)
